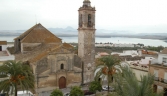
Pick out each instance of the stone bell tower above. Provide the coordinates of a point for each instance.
(86, 40)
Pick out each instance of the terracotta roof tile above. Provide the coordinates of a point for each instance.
(45, 53)
(164, 51)
(25, 33)
(68, 46)
(38, 34)
(40, 52)
(103, 54)
(50, 44)
(3, 42)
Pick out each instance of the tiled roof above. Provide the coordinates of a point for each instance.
(37, 51)
(49, 44)
(38, 34)
(3, 42)
(44, 53)
(103, 54)
(68, 46)
(40, 52)
(164, 51)
(25, 33)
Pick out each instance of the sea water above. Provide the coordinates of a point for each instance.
(120, 40)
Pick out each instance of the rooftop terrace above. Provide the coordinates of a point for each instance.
(3, 53)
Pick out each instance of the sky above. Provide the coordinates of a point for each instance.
(137, 16)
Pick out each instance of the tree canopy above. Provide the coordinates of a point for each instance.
(76, 91)
(56, 92)
(106, 67)
(95, 86)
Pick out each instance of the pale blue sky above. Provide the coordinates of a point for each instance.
(133, 15)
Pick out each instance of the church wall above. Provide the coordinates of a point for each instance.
(49, 71)
(88, 55)
(17, 45)
(74, 79)
(25, 47)
(77, 61)
(81, 43)
(52, 81)
(58, 59)
(89, 45)
(47, 81)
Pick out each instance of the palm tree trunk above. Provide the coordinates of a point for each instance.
(15, 90)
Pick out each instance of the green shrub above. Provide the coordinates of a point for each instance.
(76, 91)
(56, 92)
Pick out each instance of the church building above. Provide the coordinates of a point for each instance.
(55, 64)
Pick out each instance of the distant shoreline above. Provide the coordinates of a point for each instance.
(163, 38)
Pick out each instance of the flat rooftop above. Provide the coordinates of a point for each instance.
(3, 53)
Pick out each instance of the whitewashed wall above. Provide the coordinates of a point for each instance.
(160, 58)
(3, 47)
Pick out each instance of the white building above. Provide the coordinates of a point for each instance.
(114, 45)
(132, 53)
(123, 45)
(139, 67)
(158, 68)
(103, 45)
(3, 45)
(162, 58)
(4, 53)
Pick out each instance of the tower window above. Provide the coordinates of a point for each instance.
(89, 20)
(62, 66)
(80, 21)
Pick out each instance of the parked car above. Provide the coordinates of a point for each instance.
(2, 94)
(24, 93)
(105, 88)
(67, 94)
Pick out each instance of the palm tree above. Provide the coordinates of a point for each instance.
(106, 68)
(17, 75)
(126, 84)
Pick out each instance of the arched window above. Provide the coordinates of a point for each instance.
(89, 20)
(80, 20)
(62, 66)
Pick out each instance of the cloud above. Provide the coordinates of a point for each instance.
(110, 14)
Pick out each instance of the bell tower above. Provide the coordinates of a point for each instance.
(86, 40)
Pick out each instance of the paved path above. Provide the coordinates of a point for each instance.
(67, 90)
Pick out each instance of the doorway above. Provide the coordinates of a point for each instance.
(0, 48)
(62, 82)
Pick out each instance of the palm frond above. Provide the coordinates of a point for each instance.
(18, 74)
(126, 84)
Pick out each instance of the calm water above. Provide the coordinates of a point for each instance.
(146, 42)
